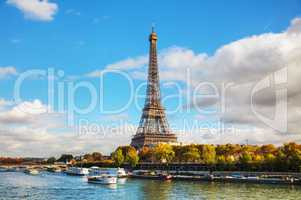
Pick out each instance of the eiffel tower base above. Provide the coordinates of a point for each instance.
(150, 140)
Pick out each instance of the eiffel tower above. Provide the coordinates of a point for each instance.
(153, 127)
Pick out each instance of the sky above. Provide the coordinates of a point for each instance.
(73, 74)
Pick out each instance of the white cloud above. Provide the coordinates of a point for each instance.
(127, 64)
(295, 26)
(41, 10)
(28, 129)
(27, 113)
(7, 71)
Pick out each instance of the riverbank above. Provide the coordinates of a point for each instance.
(290, 178)
(229, 176)
(16, 185)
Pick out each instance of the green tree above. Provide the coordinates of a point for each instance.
(132, 157)
(191, 154)
(245, 157)
(118, 157)
(164, 152)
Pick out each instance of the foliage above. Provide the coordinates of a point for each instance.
(146, 154)
(51, 160)
(97, 156)
(191, 154)
(208, 153)
(132, 157)
(245, 157)
(164, 152)
(65, 158)
(118, 157)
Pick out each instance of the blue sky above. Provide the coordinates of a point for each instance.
(80, 37)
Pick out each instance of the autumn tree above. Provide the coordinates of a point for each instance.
(145, 153)
(96, 156)
(88, 157)
(132, 157)
(245, 157)
(208, 153)
(164, 152)
(191, 154)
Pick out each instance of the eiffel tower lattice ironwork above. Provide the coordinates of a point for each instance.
(153, 127)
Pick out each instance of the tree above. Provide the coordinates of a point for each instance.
(191, 154)
(290, 156)
(245, 158)
(132, 157)
(88, 157)
(118, 157)
(145, 154)
(51, 160)
(97, 156)
(65, 158)
(220, 159)
(267, 149)
(208, 153)
(179, 150)
(164, 152)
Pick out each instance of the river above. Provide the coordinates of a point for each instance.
(17, 185)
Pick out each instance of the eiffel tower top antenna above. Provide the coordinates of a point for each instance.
(153, 27)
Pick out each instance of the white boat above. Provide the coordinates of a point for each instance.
(103, 179)
(101, 176)
(31, 171)
(121, 173)
(77, 171)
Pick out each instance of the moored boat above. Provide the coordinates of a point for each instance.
(151, 175)
(31, 171)
(102, 179)
(77, 171)
(121, 173)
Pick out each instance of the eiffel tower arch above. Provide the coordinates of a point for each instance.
(153, 127)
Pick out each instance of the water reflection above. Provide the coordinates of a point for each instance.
(122, 180)
(156, 189)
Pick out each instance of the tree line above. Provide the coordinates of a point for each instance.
(223, 157)
(269, 157)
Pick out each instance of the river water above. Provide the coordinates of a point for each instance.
(17, 185)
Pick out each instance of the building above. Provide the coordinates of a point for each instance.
(153, 127)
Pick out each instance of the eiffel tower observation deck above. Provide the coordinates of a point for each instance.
(153, 128)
